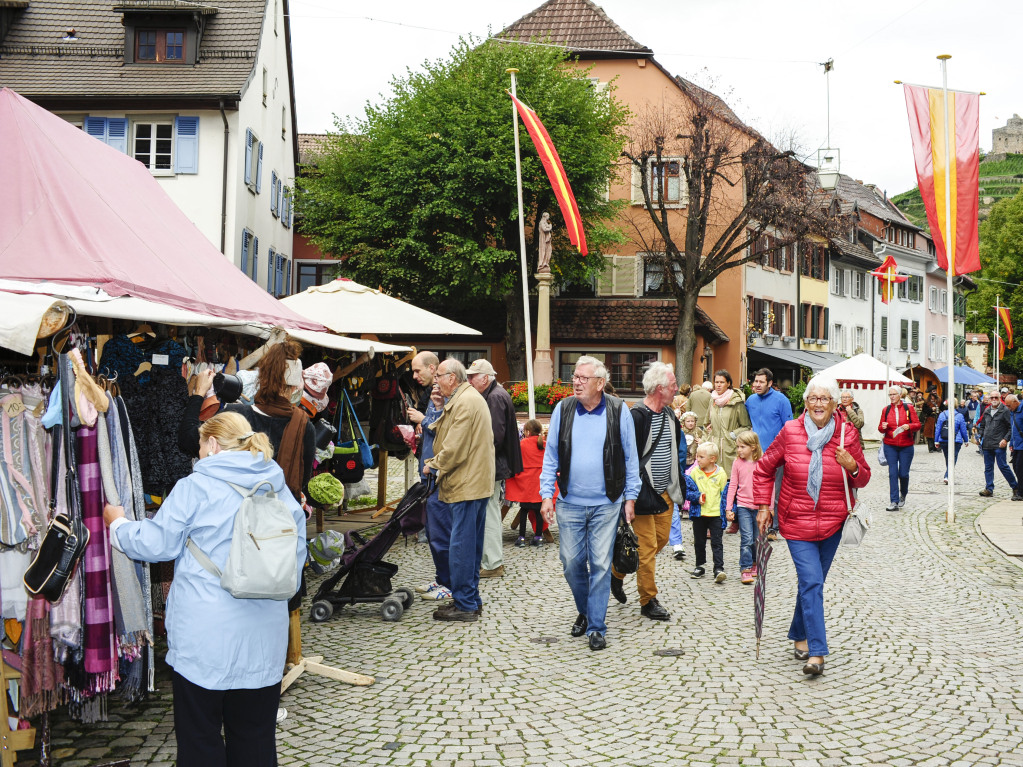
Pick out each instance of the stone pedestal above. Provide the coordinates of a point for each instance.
(543, 366)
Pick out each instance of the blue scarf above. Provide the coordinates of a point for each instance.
(816, 439)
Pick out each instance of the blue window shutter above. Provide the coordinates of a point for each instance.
(96, 127)
(279, 282)
(286, 213)
(280, 197)
(270, 272)
(255, 259)
(245, 252)
(248, 156)
(273, 193)
(259, 168)
(117, 133)
(186, 151)
(287, 280)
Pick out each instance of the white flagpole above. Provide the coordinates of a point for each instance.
(998, 335)
(888, 341)
(522, 256)
(950, 513)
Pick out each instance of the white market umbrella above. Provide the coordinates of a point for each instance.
(350, 308)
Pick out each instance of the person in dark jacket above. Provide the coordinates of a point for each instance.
(898, 427)
(951, 431)
(507, 459)
(822, 457)
(994, 432)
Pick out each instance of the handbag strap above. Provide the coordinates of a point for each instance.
(845, 474)
(350, 411)
(653, 445)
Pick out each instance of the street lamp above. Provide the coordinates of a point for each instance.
(828, 167)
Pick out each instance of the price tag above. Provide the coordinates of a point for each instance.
(14, 407)
(161, 359)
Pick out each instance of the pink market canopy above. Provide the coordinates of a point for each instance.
(75, 211)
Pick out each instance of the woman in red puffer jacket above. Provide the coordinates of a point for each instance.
(812, 506)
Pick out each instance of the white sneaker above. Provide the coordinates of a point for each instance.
(282, 714)
(439, 594)
(428, 587)
(679, 551)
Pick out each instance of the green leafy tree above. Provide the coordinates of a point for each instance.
(419, 196)
(1001, 258)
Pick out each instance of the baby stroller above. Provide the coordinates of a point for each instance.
(367, 578)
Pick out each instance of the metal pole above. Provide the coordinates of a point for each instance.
(950, 512)
(888, 337)
(522, 255)
(997, 345)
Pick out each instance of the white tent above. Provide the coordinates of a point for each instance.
(21, 317)
(865, 377)
(348, 307)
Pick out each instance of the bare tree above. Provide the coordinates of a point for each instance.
(737, 188)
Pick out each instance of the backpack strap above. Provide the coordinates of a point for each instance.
(202, 559)
(248, 493)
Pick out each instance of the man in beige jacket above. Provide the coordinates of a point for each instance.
(463, 460)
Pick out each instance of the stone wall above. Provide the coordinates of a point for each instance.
(1008, 138)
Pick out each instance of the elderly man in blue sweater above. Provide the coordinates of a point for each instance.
(591, 457)
(768, 410)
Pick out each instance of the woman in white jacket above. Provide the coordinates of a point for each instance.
(227, 654)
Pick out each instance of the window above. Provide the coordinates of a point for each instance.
(837, 339)
(465, 356)
(310, 273)
(160, 46)
(265, 78)
(279, 276)
(255, 259)
(858, 284)
(932, 346)
(932, 299)
(153, 145)
(274, 181)
(246, 244)
(839, 282)
(943, 347)
(884, 333)
(286, 210)
(812, 261)
(284, 123)
(625, 369)
(861, 336)
(666, 181)
(112, 131)
(271, 266)
(654, 283)
(916, 336)
(943, 302)
(253, 161)
(618, 277)
(904, 335)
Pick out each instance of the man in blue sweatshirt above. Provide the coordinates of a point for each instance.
(591, 457)
(768, 410)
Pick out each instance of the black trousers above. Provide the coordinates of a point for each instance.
(248, 719)
(700, 527)
(1017, 467)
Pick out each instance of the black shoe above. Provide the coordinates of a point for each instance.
(1014, 498)
(597, 642)
(985, 493)
(654, 611)
(814, 669)
(699, 572)
(803, 655)
(617, 591)
(579, 627)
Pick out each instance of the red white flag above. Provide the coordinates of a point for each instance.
(556, 174)
(889, 277)
(1001, 348)
(1003, 312)
(926, 108)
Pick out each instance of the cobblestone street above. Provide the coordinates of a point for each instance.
(926, 666)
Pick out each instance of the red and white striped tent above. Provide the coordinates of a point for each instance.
(866, 377)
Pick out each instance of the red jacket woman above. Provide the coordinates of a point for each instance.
(899, 418)
(798, 518)
(524, 487)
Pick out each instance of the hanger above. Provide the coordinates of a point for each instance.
(144, 368)
(143, 329)
(60, 338)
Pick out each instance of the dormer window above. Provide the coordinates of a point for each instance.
(160, 46)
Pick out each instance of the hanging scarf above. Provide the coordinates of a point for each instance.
(723, 398)
(816, 439)
(100, 660)
(291, 455)
(40, 676)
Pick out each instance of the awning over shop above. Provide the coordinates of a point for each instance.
(964, 375)
(816, 361)
(77, 212)
(345, 306)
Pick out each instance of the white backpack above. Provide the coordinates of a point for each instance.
(263, 561)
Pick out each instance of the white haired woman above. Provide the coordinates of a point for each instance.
(899, 425)
(812, 506)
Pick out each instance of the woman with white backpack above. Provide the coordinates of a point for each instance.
(227, 653)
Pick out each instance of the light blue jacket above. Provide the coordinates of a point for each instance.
(214, 640)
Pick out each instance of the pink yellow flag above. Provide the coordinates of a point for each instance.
(926, 108)
(1001, 348)
(556, 173)
(889, 277)
(1003, 313)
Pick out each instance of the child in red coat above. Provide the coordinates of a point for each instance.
(524, 487)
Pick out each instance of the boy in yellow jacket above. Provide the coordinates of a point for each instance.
(711, 480)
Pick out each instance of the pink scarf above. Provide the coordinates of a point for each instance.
(723, 398)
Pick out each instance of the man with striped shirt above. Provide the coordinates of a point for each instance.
(658, 436)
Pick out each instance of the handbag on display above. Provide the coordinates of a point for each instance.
(858, 522)
(346, 464)
(626, 551)
(323, 432)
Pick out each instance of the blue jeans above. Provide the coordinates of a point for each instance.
(990, 456)
(747, 519)
(899, 461)
(675, 537)
(955, 455)
(468, 524)
(812, 560)
(587, 535)
(438, 530)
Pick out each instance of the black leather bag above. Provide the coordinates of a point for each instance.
(323, 433)
(626, 553)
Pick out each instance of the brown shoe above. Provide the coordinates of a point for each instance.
(456, 615)
(497, 572)
(548, 536)
(732, 529)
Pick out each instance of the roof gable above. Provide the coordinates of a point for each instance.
(36, 62)
(579, 25)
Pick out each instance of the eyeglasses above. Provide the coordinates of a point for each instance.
(815, 400)
(441, 375)
(584, 379)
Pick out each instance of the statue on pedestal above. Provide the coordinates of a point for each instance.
(544, 263)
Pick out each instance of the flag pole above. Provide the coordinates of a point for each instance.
(998, 345)
(950, 512)
(888, 340)
(522, 255)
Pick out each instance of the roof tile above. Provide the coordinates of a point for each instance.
(623, 320)
(580, 25)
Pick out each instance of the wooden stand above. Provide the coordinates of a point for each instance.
(11, 740)
(298, 665)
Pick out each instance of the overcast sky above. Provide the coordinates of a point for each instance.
(763, 55)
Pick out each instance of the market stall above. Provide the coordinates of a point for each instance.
(866, 377)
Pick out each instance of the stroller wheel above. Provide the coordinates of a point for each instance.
(391, 609)
(406, 595)
(321, 611)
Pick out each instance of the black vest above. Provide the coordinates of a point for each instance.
(614, 453)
